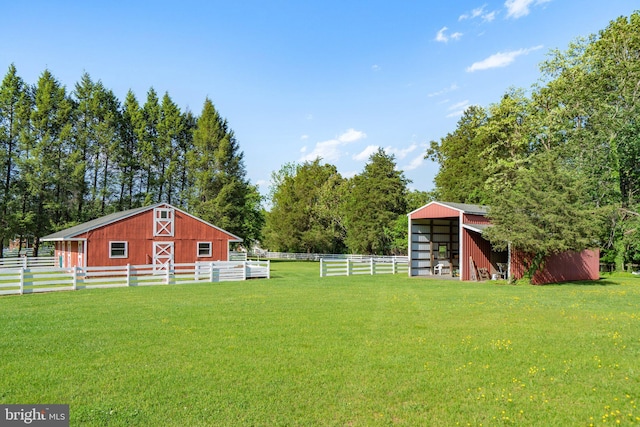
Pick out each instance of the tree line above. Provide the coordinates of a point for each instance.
(69, 157)
(559, 164)
(316, 210)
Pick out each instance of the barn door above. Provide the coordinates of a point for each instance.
(162, 256)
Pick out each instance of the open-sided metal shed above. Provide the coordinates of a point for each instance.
(446, 238)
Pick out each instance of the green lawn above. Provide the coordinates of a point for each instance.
(356, 351)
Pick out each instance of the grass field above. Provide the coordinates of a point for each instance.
(356, 351)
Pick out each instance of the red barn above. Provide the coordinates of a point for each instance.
(154, 234)
(447, 238)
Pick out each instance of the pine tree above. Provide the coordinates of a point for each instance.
(48, 159)
(128, 153)
(377, 197)
(14, 110)
(220, 189)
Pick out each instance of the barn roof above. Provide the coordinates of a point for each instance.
(72, 232)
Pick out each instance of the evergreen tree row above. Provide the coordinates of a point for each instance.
(66, 158)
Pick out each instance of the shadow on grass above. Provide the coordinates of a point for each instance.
(603, 281)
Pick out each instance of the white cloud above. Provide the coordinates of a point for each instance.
(330, 150)
(415, 163)
(366, 153)
(500, 59)
(519, 8)
(441, 37)
(489, 17)
(262, 183)
(457, 110)
(375, 67)
(443, 91)
(352, 135)
(325, 150)
(304, 137)
(479, 12)
(303, 149)
(401, 153)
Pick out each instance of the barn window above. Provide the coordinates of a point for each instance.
(118, 249)
(204, 249)
(163, 222)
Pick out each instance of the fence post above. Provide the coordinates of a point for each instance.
(211, 272)
(393, 265)
(348, 266)
(167, 278)
(321, 266)
(128, 274)
(21, 280)
(268, 269)
(245, 267)
(25, 263)
(74, 272)
(372, 267)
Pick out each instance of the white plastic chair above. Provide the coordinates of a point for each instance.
(437, 269)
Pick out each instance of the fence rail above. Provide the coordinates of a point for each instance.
(27, 262)
(374, 265)
(318, 257)
(46, 279)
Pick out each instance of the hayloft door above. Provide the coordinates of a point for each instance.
(163, 222)
(162, 256)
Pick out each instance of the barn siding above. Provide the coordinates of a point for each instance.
(137, 230)
(564, 267)
(475, 219)
(434, 210)
(479, 249)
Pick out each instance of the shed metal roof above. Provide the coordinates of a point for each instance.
(467, 208)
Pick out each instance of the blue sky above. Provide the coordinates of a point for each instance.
(300, 79)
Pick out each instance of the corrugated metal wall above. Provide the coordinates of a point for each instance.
(479, 249)
(475, 219)
(564, 267)
(434, 210)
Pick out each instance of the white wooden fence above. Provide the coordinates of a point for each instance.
(47, 279)
(318, 257)
(27, 261)
(374, 265)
